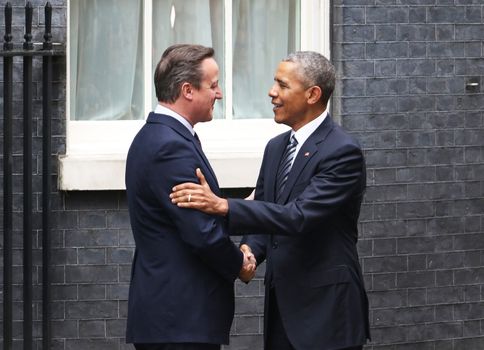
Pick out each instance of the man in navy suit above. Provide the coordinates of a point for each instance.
(307, 203)
(181, 295)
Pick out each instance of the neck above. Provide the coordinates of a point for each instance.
(309, 117)
(178, 108)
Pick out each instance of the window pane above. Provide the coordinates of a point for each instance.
(106, 57)
(189, 22)
(264, 32)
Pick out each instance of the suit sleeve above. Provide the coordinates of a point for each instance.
(205, 235)
(258, 242)
(338, 179)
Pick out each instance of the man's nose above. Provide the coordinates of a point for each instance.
(272, 91)
(218, 93)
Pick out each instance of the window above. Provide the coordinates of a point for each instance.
(114, 46)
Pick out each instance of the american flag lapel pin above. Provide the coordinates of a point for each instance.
(306, 154)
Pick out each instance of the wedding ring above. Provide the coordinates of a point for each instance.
(189, 197)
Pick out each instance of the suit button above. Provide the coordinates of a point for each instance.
(274, 245)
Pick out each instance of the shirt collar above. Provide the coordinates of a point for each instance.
(171, 113)
(305, 131)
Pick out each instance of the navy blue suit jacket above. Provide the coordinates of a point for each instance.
(184, 264)
(310, 238)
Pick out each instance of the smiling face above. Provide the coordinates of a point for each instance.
(290, 96)
(204, 98)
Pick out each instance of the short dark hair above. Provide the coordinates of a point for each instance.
(315, 70)
(179, 64)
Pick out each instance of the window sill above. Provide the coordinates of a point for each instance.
(95, 160)
(106, 172)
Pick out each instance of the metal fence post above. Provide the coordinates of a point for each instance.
(27, 180)
(7, 181)
(46, 177)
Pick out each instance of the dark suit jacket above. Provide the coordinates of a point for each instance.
(185, 264)
(312, 260)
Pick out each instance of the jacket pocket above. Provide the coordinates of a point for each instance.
(325, 277)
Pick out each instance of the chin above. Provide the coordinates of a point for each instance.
(205, 119)
(279, 119)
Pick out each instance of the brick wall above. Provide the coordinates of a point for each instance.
(403, 68)
(402, 73)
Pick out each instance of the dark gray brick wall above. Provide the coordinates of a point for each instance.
(402, 73)
(402, 69)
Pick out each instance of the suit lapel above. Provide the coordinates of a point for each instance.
(274, 165)
(307, 151)
(198, 146)
(185, 133)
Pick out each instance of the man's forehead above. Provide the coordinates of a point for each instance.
(285, 71)
(210, 69)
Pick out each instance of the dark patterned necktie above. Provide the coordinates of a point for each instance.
(285, 166)
(198, 139)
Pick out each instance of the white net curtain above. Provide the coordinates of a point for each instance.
(106, 51)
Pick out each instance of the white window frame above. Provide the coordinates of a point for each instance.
(96, 150)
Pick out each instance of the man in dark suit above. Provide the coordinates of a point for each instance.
(181, 294)
(307, 203)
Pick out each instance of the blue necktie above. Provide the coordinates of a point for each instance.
(285, 166)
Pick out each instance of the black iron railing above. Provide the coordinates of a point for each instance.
(27, 51)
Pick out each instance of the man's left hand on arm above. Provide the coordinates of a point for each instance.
(199, 196)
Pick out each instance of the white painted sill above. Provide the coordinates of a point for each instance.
(234, 149)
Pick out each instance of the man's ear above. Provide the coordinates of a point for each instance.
(187, 91)
(314, 94)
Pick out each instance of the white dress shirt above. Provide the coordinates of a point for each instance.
(165, 110)
(304, 132)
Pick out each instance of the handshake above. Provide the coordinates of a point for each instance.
(249, 265)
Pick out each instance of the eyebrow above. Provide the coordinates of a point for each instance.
(280, 81)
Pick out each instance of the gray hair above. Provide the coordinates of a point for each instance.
(315, 70)
(179, 64)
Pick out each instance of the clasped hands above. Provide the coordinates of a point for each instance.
(249, 265)
(200, 196)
